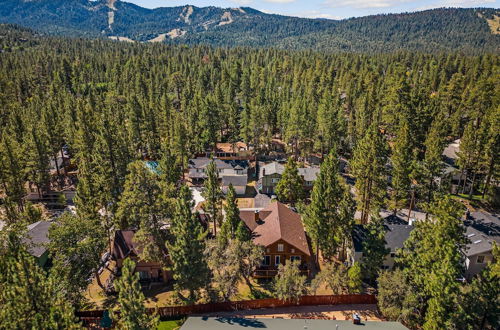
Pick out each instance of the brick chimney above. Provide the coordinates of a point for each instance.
(256, 216)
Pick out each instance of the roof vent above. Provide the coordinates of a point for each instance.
(476, 242)
(470, 235)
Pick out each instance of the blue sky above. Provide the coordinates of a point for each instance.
(335, 9)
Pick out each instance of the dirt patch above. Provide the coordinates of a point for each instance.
(186, 13)
(111, 19)
(121, 38)
(111, 4)
(494, 24)
(226, 18)
(159, 38)
(175, 33)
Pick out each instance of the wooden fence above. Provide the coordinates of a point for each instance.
(179, 311)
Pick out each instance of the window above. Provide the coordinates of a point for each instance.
(293, 258)
(277, 260)
(480, 259)
(143, 275)
(393, 254)
(266, 261)
(281, 248)
(275, 180)
(239, 171)
(292, 250)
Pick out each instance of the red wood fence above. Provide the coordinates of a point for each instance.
(178, 311)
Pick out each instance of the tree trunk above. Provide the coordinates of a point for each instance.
(488, 176)
(412, 201)
(472, 185)
(58, 172)
(98, 280)
(465, 183)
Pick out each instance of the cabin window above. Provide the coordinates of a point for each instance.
(281, 248)
(275, 180)
(293, 258)
(292, 250)
(393, 254)
(143, 275)
(277, 260)
(239, 171)
(480, 259)
(266, 261)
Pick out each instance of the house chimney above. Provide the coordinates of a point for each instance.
(256, 216)
(263, 172)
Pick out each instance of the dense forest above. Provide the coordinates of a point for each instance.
(433, 31)
(112, 105)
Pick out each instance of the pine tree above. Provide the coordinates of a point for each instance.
(333, 276)
(213, 195)
(441, 239)
(11, 176)
(132, 312)
(433, 159)
(29, 298)
(355, 276)
(401, 168)
(76, 246)
(330, 216)
(289, 284)
(368, 166)
(374, 250)
(290, 188)
(186, 247)
(232, 227)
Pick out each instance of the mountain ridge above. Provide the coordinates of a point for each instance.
(436, 30)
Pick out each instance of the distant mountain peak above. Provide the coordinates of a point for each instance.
(438, 30)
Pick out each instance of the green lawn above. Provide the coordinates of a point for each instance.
(170, 325)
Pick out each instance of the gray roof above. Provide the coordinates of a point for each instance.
(450, 152)
(225, 323)
(482, 230)
(202, 162)
(309, 173)
(37, 238)
(395, 236)
(261, 201)
(271, 168)
(235, 180)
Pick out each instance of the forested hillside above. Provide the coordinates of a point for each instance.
(109, 108)
(439, 30)
(112, 102)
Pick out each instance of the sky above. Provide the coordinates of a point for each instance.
(333, 9)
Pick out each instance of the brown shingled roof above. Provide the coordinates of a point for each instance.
(124, 245)
(276, 222)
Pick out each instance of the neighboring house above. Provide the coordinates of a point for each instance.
(125, 247)
(270, 174)
(198, 166)
(280, 231)
(396, 233)
(450, 152)
(482, 231)
(230, 151)
(37, 239)
(309, 175)
(239, 183)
